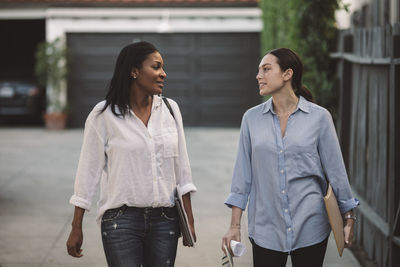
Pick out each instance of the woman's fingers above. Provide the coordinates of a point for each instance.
(74, 244)
(232, 234)
(185, 242)
(74, 251)
(225, 241)
(229, 247)
(194, 236)
(193, 232)
(348, 235)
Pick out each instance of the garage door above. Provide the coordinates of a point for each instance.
(210, 75)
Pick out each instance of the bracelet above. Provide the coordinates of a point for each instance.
(235, 226)
(350, 216)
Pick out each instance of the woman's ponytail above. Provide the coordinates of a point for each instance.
(304, 92)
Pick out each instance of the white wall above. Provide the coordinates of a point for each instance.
(343, 17)
(394, 11)
(159, 20)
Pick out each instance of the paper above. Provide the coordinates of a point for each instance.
(335, 219)
(227, 260)
(238, 248)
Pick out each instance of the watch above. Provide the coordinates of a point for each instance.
(350, 216)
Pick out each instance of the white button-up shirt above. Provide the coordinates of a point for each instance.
(135, 165)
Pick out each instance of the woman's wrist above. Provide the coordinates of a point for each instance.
(349, 216)
(76, 226)
(235, 226)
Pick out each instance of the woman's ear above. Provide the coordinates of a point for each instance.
(134, 73)
(287, 75)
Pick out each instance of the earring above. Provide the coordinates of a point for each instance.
(134, 77)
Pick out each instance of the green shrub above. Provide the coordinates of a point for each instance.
(307, 27)
(51, 71)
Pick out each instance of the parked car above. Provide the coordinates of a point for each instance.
(20, 99)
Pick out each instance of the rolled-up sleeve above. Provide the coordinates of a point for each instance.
(241, 179)
(182, 164)
(90, 167)
(333, 165)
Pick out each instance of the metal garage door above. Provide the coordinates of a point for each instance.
(210, 75)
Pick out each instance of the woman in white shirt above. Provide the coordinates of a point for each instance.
(134, 147)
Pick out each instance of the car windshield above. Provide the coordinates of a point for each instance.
(18, 87)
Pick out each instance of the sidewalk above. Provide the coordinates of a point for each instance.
(37, 169)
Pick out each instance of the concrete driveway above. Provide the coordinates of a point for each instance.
(37, 169)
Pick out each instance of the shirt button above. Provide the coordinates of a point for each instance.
(282, 171)
(289, 229)
(286, 210)
(283, 191)
(280, 151)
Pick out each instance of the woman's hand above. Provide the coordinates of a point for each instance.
(349, 229)
(75, 238)
(191, 226)
(74, 243)
(348, 233)
(187, 204)
(232, 234)
(234, 230)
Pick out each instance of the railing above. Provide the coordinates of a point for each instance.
(368, 67)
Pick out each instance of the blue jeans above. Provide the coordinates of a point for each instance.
(134, 237)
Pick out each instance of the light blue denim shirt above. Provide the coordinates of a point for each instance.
(284, 178)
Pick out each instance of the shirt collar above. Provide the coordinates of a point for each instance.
(268, 106)
(302, 105)
(157, 100)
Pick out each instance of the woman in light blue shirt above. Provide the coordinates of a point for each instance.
(288, 148)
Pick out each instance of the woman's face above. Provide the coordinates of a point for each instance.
(270, 76)
(150, 77)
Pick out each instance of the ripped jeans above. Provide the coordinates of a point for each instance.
(137, 237)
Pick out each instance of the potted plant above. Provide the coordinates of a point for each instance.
(51, 71)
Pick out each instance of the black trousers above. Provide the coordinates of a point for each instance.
(312, 256)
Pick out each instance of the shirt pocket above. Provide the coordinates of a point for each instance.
(306, 161)
(170, 142)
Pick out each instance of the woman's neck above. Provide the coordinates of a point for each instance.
(139, 100)
(285, 101)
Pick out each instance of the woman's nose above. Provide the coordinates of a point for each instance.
(163, 74)
(258, 76)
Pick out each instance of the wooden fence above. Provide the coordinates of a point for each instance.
(368, 67)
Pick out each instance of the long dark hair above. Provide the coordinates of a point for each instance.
(288, 59)
(119, 89)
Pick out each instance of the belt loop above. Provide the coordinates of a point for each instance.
(124, 207)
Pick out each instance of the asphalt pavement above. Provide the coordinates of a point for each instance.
(37, 169)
